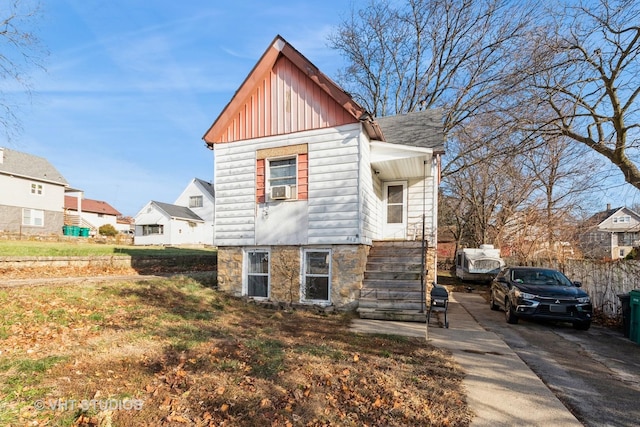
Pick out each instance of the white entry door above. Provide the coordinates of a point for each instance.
(395, 210)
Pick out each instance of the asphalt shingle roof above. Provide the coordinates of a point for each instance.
(29, 166)
(207, 186)
(176, 211)
(417, 129)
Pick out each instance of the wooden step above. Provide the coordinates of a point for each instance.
(397, 315)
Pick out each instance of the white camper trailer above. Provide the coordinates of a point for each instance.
(478, 264)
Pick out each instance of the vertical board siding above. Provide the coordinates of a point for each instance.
(285, 100)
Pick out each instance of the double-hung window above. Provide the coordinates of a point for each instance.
(282, 172)
(317, 275)
(33, 217)
(195, 201)
(257, 268)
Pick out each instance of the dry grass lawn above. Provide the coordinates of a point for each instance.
(174, 352)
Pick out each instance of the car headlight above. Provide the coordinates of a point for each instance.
(583, 300)
(519, 294)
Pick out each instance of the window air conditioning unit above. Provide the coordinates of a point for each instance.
(280, 192)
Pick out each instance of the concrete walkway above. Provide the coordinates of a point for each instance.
(501, 389)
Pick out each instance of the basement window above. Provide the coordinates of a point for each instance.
(317, 275)
(257, 277)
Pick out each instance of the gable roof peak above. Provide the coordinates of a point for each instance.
(257, 109)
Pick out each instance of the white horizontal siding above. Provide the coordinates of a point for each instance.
(415, 208)
(370, 191)
(235, 195)
(334, 199)
(333, 184)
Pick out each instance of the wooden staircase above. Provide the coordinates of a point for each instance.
(392, 288)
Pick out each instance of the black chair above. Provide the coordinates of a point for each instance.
(439, 303)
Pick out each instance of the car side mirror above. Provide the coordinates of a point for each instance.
(577, 284)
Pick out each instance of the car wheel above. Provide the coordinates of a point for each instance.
(582, 326)
(509, 314)
(492, 302)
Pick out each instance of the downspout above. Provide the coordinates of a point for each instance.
(423, 243)
(435, 168)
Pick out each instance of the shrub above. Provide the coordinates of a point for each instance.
(107, 230)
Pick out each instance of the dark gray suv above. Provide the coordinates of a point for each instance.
(540, 294)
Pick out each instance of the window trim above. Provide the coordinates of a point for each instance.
(263, 156)
(246, 273)
(304, 275)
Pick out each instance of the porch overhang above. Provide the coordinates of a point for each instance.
(394, 161)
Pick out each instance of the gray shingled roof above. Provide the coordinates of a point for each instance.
(417, 129)
(29, 166)
(180, 212)
(207, 186)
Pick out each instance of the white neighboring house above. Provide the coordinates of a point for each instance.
(189, 221)
(199, 196)
(92, 214)
(31, 194)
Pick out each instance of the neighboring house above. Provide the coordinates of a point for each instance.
(31, 194)
(611, 234)
(166, 224)
(199, 196)
(125, 225)
(308, 184)
(89, 213)
(188, 221)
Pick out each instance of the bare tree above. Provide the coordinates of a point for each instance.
(20, 50)
(584, 71)
(487, 195)
(430, 53)
(557, 168)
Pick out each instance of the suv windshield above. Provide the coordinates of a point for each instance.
(540, 277)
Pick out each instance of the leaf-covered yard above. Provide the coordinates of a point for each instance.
(174, 352)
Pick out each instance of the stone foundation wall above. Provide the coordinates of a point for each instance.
(230, 269)
(347, 274)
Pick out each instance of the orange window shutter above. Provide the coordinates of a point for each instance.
(303, 173)
(260, 181)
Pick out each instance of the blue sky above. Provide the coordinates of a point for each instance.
(131, 86)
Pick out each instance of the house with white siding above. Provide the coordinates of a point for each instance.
(32, 194)
(187, 221)
(317, 201)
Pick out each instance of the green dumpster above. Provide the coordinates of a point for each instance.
(66, 230)
(84, 232)
(634, 306)
(75, 231)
